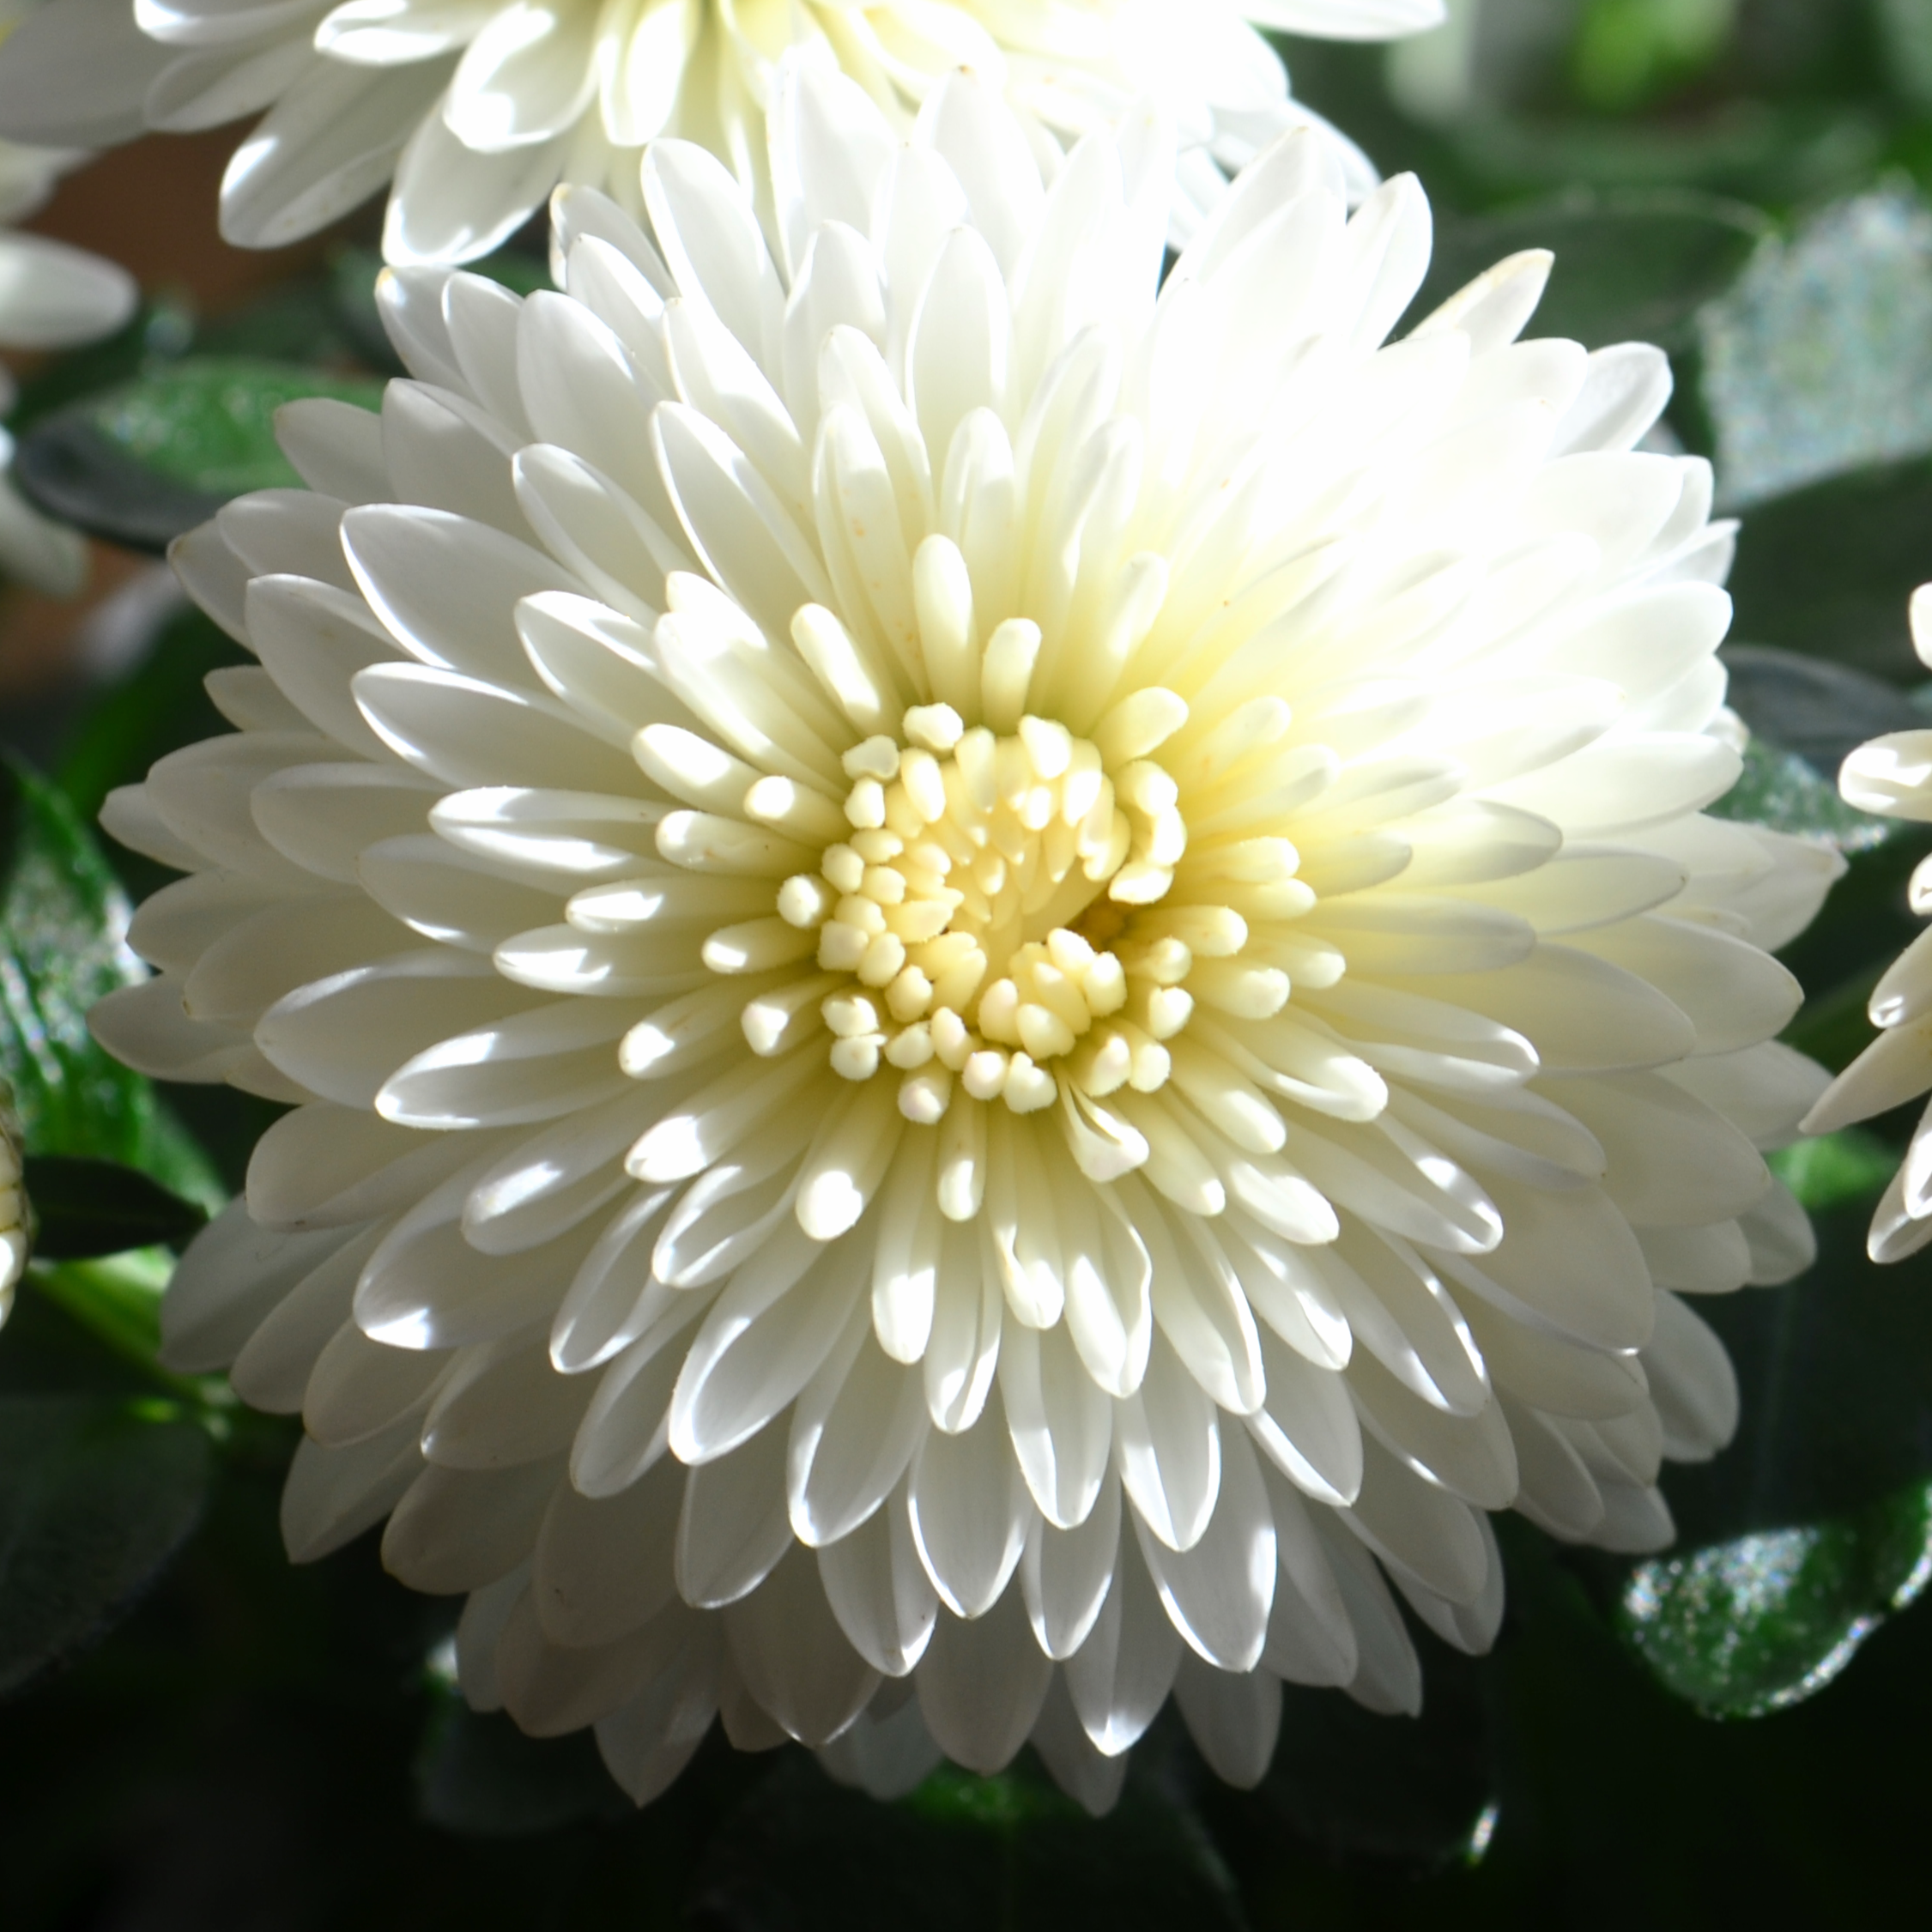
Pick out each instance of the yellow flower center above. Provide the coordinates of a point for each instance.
(983, 907)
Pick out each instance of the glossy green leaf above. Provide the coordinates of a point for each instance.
(161, 453)
(95, 1497)
(1821, 360)
(1630, 266)
(208, 422)
(63, 945)
(84, 1208)
(1747, 1628)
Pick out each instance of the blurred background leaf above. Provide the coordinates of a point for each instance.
(95, 1496)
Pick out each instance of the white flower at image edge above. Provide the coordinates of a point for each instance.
(1001, 983)
(478, 109)
(1893, 776)
(52, 296)
(15, 1217)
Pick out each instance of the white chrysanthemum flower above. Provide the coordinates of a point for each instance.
(477, 110)
(52, 296)
(1893, 776)
(1002, 982)
(16, 1234)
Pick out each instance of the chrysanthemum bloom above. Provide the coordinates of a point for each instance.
(1002, 982)
(16, 1235)
(479, 108)
(1893, 776)
(52, 296)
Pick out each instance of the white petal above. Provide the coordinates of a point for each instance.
(501, 1405)
(604, 1568)
(446, 587)
(1060, 1422)
(733, 1529)
(970, 1511)
(458, 1529)
(332, 1495)
(1219, 1592)
(1234, 1719)
(981, 1686)
(1120, 1676)
(77, 76)
(232, 1277)
(855, 1428)
(1168, 1452)
(792, 1656)
(451, 204)
(880, 1591)
(329, 143)
(51, 295)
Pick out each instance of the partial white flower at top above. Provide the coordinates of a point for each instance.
(1893, 776)
(52, 296)
(16, 1235)
(1001, 983)
(478, 108)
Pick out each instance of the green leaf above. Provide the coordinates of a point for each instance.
(1833, 1028)
(1819, 709)
(95, 1497)
(63, 945)
(117, 1298)
(1829, 570)
(1746, 1627)
(1780, 789)
(1835, 1169)
(86, 1209)
(1629, 51)
(1821, 360)
(1866, 923)
(1630, 266)
(161, 453)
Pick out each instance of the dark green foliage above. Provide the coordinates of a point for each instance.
(63, 919)
(95, 1496)
(84, 1208)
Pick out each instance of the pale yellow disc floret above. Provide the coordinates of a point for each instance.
(980, 910)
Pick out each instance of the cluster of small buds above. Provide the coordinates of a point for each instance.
(16, 1228)
(970, 908)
